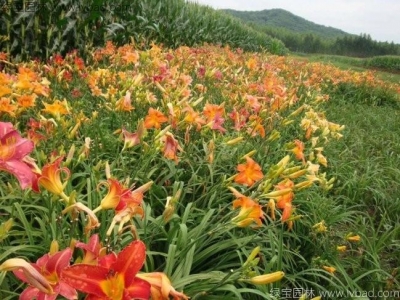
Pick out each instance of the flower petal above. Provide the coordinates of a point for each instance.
(86, 278)
(67, 291)
(5, 127)
(138, 289)
(29, 293)
(20, 170)
(59, 261)
(130, 261)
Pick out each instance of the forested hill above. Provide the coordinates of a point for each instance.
(285, 19)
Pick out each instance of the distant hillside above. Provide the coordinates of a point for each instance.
(284, 19)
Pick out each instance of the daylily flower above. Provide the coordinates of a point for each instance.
(216, 123)
(57, 108)
(125, 103)
(118, 281)
(193, 117)
(114, 195)
(353, 238)
(92, 221)
(43, 276)
(50, 178)
(320, 227)
(13, 153)
(250, 210)
(154, 119)
(6, 106)
(161, 288)
(119, 196)
(212, 110)
(267, 278)
(26, 101)
(4, 90)
(298, 150)
(171, 146)
(95, 253)
(284, 201)
(132, 139)
(249, 173)
(329, 269)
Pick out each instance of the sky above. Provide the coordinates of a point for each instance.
(379, 18)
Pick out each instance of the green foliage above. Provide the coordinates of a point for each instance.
(389, 63)
(37, 29)
(300, 35)
(365, 164)
(282, 19)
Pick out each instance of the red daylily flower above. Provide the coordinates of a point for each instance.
(117, 281)
(14, 150)
(95, 253)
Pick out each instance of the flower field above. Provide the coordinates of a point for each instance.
(195, 173)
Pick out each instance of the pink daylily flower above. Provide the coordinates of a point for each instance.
(14, 150)
(43, 277)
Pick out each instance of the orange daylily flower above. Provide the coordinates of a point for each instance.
(284, 202)
(212, 110)
(250, 210)
(124, 201)
(193, 117)
(249, 173)
(26, 101)
(57, 108)
(3, 56)
(256, 127)
(115, 192)
(27, 74)
(4, 90)
(125, 103)
(119, 197)
(50, 178)
(298, 150)
(6, 106)
(154, 119)
(329, 269)
(131, 57)
(353, 238)
(161, 288)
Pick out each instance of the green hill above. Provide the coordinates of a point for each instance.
(284, 19)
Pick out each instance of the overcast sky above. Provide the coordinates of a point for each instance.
(379, 18)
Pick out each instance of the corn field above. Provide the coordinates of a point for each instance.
(36, 29)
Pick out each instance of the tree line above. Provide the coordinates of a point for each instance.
(349, 45)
